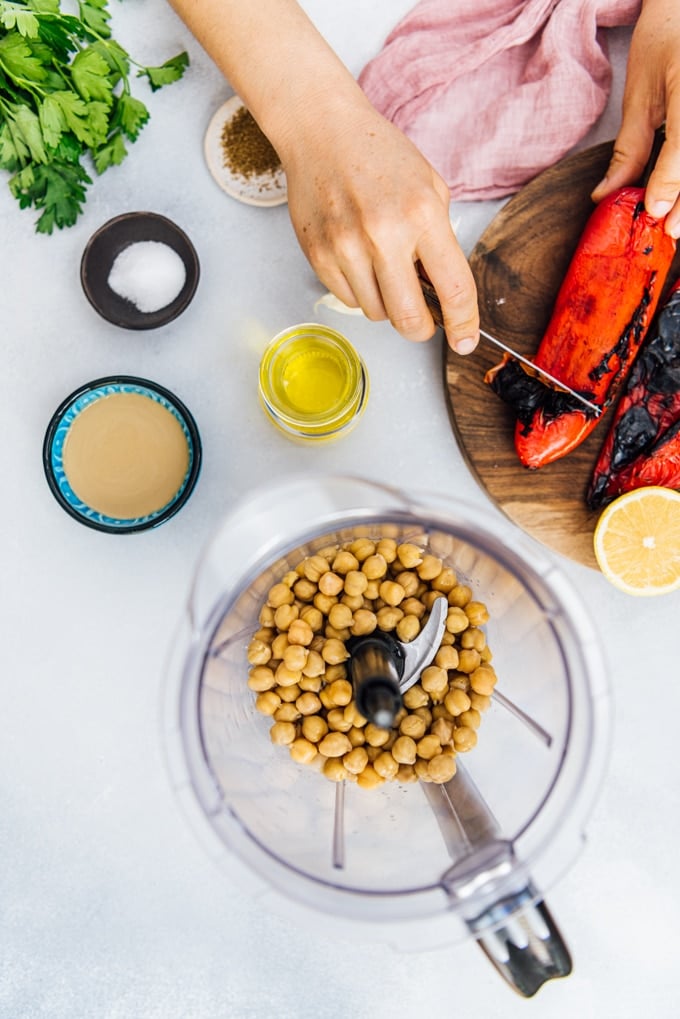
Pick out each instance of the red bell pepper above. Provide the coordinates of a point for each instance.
(602, 312)
(642, 446)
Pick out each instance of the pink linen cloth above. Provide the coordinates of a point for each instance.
(494, 91)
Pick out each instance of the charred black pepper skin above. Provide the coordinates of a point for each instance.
(633, 333)
(526, 394)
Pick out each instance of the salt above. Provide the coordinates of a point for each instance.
(149, 274)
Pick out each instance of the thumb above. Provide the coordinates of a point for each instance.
(631, 151)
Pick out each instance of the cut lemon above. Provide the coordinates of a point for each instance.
(637, 541)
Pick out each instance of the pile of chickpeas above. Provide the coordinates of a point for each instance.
(299, 663)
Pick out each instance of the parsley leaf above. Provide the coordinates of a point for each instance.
(171, 70)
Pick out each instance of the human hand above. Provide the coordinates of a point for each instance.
(366, 206)
(651, 95)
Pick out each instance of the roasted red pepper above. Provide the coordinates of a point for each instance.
(642, 446)
(601, 314)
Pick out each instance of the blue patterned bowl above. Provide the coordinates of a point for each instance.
(57, 434)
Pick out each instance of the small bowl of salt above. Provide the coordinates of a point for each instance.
(139, 270)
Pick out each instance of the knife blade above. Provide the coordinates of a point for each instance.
(433, 304)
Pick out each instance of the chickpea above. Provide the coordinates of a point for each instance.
(486, 654)
(471, 718)
(333, 672)
(295, 657)
(391, 592)
(334, 770)
(267, 702)
(266, 634)
(302, 751)
(288, 693)
(314, 666)
(335, 744)
(409, 555)
(313, 617)
(412, 726)
(308, 703)
(430, 567)
(324, 603)
(314, 567)
(334, 651)
(456, 702)
(439, 711)
(459, 681)
(477, 613)
(387, 548)
(310, 683)
(483, 680)
(415, 697)
(353, 601)
(435, 681)
(388, 617)
(445, 581)
(408, 628)
(386, 766)
(331, 583)
(464, 738)
(329, 552)
(261, 678)
(404, 750)
(341, 692)
(406, 773)
(305, 590)
(441, 768)
(468, 660)
(354, 716)
(314, 728)
(443, 730)
(362, 548)
(356, 760)
(356, 736)
(456, 620)
(282, 733)
(375, 567)
(375, 735)
(425, 714)
(428, 746)
(337, 721)
(285, 615)
(446, 657)
(326, 698)
(266, 617)
(356, 583)
(344, 562)
(258, 653)
(421, 768)
(447, 639)
(459, 596)
(279, 645)
(413, 607)
(363, 622)
(290, 578)
(286, 713)
(287, 677)
(473, 637)
(372, 590)
(280, 594)
(369, 778)
(479, 701)
(341, 635)
(340, 616)
(409, 581)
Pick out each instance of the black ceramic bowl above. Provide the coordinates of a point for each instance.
(101, 252)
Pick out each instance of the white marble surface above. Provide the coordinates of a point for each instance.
(108, 906)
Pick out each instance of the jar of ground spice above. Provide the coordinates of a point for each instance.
(241, 158)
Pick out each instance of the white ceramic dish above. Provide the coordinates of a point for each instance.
(264, 189)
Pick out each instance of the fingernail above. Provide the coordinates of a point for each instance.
(673, 229)
(660, 209)
(465, 346)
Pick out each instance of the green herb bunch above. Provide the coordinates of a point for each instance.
(65, 96)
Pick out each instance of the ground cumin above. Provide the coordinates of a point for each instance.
(246, 151)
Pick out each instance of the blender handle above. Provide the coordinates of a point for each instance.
(525, 945)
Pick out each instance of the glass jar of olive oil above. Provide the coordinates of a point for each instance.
(313, 384)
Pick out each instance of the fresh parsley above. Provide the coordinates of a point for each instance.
(65, 100)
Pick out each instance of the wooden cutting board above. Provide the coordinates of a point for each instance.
(518, 264)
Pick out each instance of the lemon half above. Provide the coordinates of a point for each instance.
(637, 541)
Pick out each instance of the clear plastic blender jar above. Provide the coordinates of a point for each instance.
(416, 863)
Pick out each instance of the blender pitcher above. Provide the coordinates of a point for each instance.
(415, 862)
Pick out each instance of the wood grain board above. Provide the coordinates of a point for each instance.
(518, 265)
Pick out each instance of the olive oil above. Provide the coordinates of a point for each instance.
(313, 384)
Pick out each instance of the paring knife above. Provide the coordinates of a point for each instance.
(433, 304)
